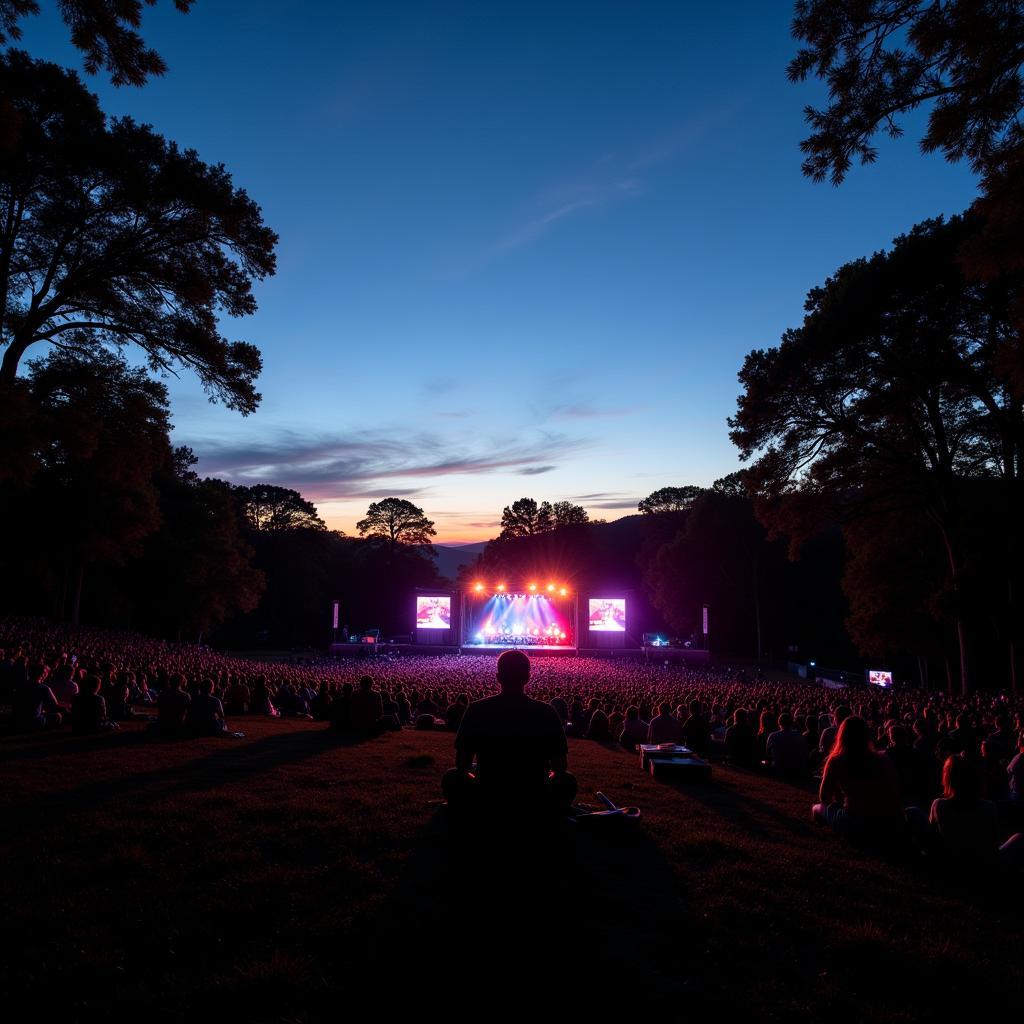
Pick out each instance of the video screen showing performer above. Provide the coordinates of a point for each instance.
(433, 613)
(607, 615)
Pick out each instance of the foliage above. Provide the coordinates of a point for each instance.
(888, 397)
(104, 30)
(884, 58)
(525, 517)
(398, 522)
(669, 499)
(267, 507)
(111, 236)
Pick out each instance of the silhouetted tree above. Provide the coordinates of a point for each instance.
(112, 236)
(722, 558)
(107, 432)
(398, 522)
(565, 513)
(105, 32)
(267, 507)
(669, 499)
(524, 518)
(894, 379)
(884, 58)
(196, 571)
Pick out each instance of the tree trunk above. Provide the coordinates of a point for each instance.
(76, 604)
(757, 613)
(961, 633)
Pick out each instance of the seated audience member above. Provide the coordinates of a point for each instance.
(967, 825)
(115, 693)
(237, 697)
(598, 728)
(321, 704)
(696, 731)
(341, 709)
(453, 716)
(424, 723)
(912, 767)
(860, 790)
(767, 724)
(665, 727)
(786, 749)
(739, 741)
(205, 715)
(634, 730)
(404, 707)
(262, 704)
(172, 706)
(89, 709)
(33, 705)
(616, 720)
(62, 683)
(1015, 773)
(520, 750)
(828, 734)
(367, 709)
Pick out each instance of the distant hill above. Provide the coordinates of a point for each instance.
(451, 556)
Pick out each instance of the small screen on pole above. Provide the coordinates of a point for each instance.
(433, 613)
(607, 615)
(878, 677)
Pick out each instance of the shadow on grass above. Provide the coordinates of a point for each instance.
(230, 762)
(530, 916)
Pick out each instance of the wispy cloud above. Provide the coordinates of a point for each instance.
(587, 411)
(561, 203)
(620, 503)
(535, 470)
(358, 465)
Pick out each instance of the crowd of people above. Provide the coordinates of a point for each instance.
(952, 767)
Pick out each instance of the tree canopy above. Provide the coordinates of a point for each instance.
(889, 397)
(882, 59)
(267, 507)
(669, 499)
(106, 31)
(399, 522)
(111, 236)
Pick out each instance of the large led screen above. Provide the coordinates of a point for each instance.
(876, 677)
(433, 613)
(607, 615)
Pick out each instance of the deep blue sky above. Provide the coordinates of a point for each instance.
(524, 246)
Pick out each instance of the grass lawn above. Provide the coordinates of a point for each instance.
(292, 877)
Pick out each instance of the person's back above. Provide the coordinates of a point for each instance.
(367, 707)
(514, 738)
(205, 716)
(739, 741)
(696, 731)
(634, 729)
(519, 745)
(172, 705)
(786, 749)
(88, 708)
(665, 728)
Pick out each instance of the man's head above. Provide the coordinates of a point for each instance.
(513, 671)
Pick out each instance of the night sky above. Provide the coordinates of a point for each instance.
(524, 247)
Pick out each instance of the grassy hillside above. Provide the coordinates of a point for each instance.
(275, 878)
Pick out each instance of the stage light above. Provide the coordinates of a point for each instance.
(562, 635)
(563, 592)
(479, 588)
(551, 588)
(533, 587)
(501, 587)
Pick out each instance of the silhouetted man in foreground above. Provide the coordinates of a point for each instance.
(520, 750)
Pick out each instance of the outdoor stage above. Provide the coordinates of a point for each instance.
(541, 616)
